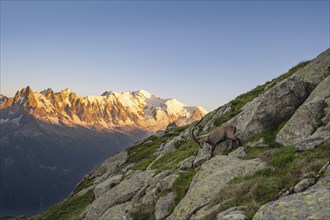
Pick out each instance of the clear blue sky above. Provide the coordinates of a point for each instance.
(201, 52)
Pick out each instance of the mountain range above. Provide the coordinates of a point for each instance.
(279, 170)
(111, 111)
(50, 140)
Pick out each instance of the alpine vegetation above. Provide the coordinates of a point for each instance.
(279, 170)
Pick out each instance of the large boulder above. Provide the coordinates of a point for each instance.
(281, 101)
(163, 206)
(310, 125)
(203, 155)
(239, 152)
(219, 113)
(187, 163)
(311, 204)
(107, 167)
(153, 191)
(205, 212)
(172, 144)
(118, 194)
(107, 185)
(118, 212)
(103, 171)
(233, 213)
(212, 177)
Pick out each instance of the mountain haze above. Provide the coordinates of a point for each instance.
(280, 169)
(50, 140)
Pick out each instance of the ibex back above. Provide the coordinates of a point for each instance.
(216, 136)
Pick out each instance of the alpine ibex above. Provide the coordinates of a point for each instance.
(216, 136)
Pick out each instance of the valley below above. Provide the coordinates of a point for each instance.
(49, 141)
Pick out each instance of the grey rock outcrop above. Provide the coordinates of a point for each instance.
(163, 206)
(118, 212)
(281, 101)
(311, 204)
(273, 106)
(310, 125)
(205, 212)
(219, 113)
(239, 152)
(213, 175)
(119, 194)
(187, 163)
(304, 184)
(107, 167)
(156, 187)
(234, 213)
(107, 185)
(204, 154)
(167, 182)
(171, 145)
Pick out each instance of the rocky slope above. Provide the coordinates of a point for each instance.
(280, 170)
(49, 140)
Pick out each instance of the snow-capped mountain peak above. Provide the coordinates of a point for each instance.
(144, 93)
(112, 110)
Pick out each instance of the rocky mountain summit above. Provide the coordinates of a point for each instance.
(280, 169)
(49, 140)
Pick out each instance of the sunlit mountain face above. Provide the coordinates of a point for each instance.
(49, 140)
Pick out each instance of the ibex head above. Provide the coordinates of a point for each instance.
(200, 139)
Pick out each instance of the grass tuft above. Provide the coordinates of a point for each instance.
(287, 166)
(171, 160)
(283, 157)
(181, 185)
(68, 209)
(143, 153)
(84, 184)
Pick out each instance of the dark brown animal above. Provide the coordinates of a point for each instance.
(216, 136)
